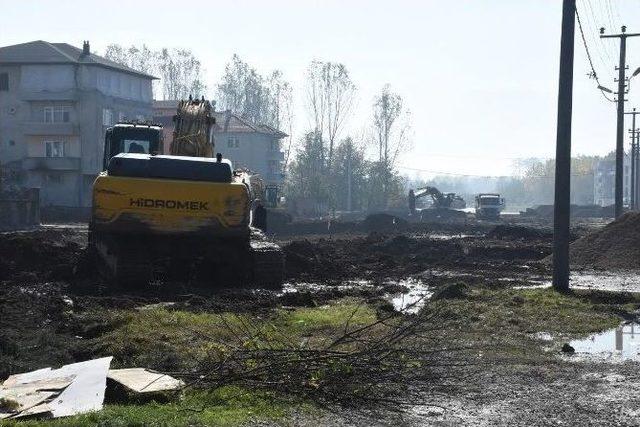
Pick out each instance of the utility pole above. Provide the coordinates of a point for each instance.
(562, 196)
(634, 132)
(620, 128)
(632, 185)
(635, 178)
(349, 178)
(634, 166)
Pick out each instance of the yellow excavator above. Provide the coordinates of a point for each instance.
(183, 217)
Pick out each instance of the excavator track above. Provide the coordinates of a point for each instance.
(267, 259)
(129, 262)
(123, 263)
(268, 264)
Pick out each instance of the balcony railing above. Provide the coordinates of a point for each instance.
(44, 95)
(41, 128)
(51, 163)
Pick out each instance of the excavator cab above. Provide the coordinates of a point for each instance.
(132, 138)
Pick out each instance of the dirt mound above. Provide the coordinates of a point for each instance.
(50, 254)
(35, 328)
(386, 222)
(504, 231)
(615, 246)
(452, 291)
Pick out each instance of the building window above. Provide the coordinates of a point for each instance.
(56, 114)
(121, 117)
(107, 117)
(54, 148)
(274, 166)
(233, 142)
(54, 178)
(4, 82)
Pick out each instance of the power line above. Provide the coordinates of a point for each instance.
(592, 30)
(614, 13)
(586, 48)
(486, 176)
(610, 14)
(605, 47)
(458, 156)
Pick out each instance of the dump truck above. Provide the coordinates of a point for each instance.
(184, 217)
(489, 206)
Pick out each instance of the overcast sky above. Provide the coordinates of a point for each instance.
(479, 76)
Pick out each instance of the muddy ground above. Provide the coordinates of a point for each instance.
(48, 284)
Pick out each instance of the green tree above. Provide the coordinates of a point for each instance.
(349, 176)
(306, 178)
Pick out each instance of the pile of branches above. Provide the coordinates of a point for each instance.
(390, 361)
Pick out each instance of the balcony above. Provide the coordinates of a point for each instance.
(43, 95)
(40, 128)
(51, 163)
(275, 155)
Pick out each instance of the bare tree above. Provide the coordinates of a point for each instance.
(391, 137)
(330, 95)
(262, 100)
(391, 126)
(243, 91)
(179, 70)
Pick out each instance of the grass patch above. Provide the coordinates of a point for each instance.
(501, 323)
(329, 318)
(539, 310)
(226, 406)
(175, 340)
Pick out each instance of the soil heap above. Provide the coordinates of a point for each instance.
(615, 246)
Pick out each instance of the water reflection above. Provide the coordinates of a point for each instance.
(621, 342)
(414, 298)
(409, 301)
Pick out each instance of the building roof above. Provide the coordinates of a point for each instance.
(226, 121)
(42, 52)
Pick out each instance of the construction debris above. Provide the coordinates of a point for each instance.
(142, 380)
(74, 389)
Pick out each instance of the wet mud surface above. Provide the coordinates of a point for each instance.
(48, 281)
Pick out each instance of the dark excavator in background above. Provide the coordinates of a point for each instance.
(444, 206)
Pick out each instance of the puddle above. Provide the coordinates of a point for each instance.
(543, 336)
(414, 299)
(310, 287)
(450, 236)
(623, 281)
(411, 301)
(621, 343)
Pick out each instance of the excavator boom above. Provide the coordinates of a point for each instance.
(192, 135)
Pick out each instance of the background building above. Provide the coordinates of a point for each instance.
(604, 179)
(56, 101)
(255, 147)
